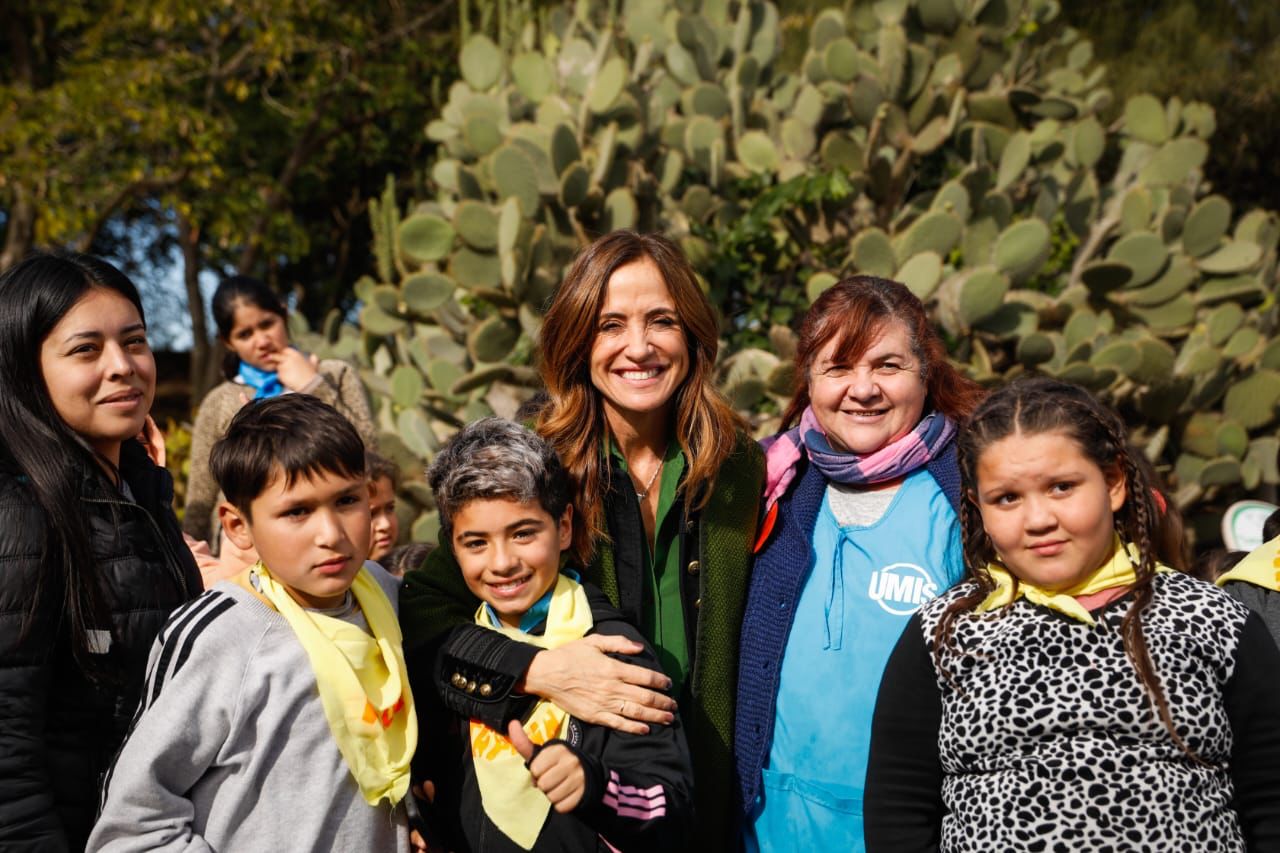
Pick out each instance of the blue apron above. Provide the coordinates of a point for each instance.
(867, 583)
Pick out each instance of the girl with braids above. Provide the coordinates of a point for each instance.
(1075, 693)
(91, 557)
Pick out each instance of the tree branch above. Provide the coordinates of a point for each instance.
(133, 190)
(277, 195)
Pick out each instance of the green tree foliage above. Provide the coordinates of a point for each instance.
(959, 146)
(246, 134)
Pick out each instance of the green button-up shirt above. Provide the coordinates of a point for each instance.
(662, 616)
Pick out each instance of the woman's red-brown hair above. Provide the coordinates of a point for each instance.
(856, 310)
(572, 420)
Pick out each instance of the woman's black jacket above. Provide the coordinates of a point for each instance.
(59, 730)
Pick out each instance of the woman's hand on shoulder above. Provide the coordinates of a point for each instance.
(582, 679)
(296, 369)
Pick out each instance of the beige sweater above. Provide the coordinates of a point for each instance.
(337, 384)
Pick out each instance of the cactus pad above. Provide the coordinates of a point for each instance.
(492, 340)
(480, 62)
(1252, 401)
(424, 292)
(1206, 225)
(1143, 252)
(1234, 256)
(1022, 248)
(921, 274)
(757, 152)
(513, 173)
(425, 238)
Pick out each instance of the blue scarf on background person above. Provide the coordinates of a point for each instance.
(894, 460)
(265, 384)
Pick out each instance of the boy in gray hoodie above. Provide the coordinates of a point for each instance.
(276, 713)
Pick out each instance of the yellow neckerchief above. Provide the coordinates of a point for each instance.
(364, 687)
(507, 791)
(1117, 571)
(1260, 568)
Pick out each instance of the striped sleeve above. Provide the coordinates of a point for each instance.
(182, 722)
(175, 641)
(639, 788)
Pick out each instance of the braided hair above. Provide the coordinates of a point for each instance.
(1031, 406)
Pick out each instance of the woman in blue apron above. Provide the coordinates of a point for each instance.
(860, 528)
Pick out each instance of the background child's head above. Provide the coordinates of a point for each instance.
(1216, 563)
(384, 478)
(503, 498)
(407, 557)
(252, 323)
(292, 471)
(1049, 476)
(1271, 527)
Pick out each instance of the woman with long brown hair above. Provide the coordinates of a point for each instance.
(667, 484)
(860, 528)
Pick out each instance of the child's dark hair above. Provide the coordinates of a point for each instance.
(1271, 527)
(294, 433)
(1032, 406)
(1217, 563)
(379, 466)
(407, 557)
(496, 458)
(230, 293)
(1169, 538)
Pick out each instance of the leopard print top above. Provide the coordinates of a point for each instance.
(1049, 742)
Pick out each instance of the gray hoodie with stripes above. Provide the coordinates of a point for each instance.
(231, 749)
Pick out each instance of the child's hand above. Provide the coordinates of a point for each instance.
(295, 369)
(417, 839)
(214, 569)
(557, 772)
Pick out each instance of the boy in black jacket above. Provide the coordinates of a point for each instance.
(553, 783)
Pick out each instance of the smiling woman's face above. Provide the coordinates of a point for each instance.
(640, 355)
(863, 407)
(99, 370)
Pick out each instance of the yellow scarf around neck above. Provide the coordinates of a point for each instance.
(364, 687)
(1117, 571)
(507, 791)
(1260, 568)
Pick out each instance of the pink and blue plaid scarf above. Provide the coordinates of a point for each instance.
(783, 451)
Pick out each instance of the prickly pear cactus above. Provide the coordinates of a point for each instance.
(960, 146)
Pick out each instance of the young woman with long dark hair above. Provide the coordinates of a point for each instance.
(91, 557)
